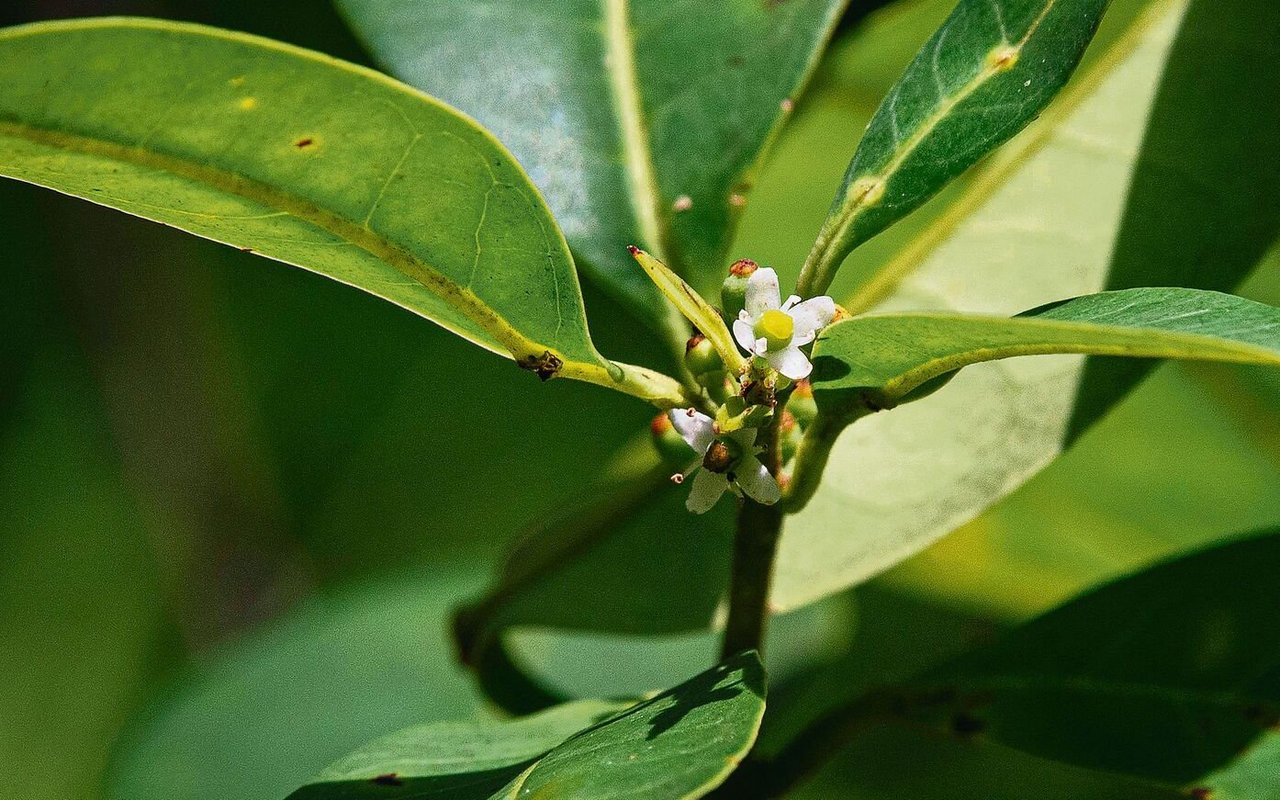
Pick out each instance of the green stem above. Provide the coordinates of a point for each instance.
(647, 384)
(812, 457)
(754, 547)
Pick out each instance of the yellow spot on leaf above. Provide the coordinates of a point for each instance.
(248, 103)
(1003, 57)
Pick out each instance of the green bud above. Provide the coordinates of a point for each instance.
(667, 441)
(801, 404)
(701, 358)
(733, 292)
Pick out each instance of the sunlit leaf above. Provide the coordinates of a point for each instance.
(358, 177)
(642, 121)
(680, 744)
(986, 73)
(877, 361)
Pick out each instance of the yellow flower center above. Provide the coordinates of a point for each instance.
(776, 328)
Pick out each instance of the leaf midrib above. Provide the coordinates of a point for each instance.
(866, 192)
(904, 382)
(1014, 156)
(620, 64)
(273, 197)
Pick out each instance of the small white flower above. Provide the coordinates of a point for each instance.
(776, 331)
(741, 469)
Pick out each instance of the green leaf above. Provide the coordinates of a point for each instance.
(1039, 225)
(902, 763)
(1170, 674)
(455, 759)
(876, 362)
(987, 72)
(618, 109)
(264, 714)
(680, 744)
(358, 178)
(705, 319)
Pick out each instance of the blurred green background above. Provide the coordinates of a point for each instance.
(237, 500)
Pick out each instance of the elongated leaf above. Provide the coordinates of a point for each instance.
(986, 73)
(878, 361)
(303, 159)
(455, 759)
(642, 121)
(1038, 225)
(680, 744)
(1145, 676)
(704, 318)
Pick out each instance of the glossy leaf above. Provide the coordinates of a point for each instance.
(680, 744)
(1170, 674)
(996, 257)
(359, 178)
(455, 759)
(642, 121)
(988, 71)
(878, 361)
(1040, 225)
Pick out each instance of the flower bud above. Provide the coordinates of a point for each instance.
(667, 441)
(733, 292)
(801, 404)
(701, 358)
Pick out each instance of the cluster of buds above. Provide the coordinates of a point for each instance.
(775, 335)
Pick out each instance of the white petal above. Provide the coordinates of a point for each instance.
(754, 479)
(790, 302)
(790, 362)
(812, 316)
(762, 292)
(762, 346)
(743, 332)
(706, 490)
(694, 427)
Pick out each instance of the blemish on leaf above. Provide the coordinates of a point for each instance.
(248, 103)
(545, 366)
(1201, 793)
(867, 191)
(737, 200)
(389, 779)
(682, 203)
(1003, 57)
(237, 81)
(735, 61)
(246, 249)
(787, 105)
(305, 142)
